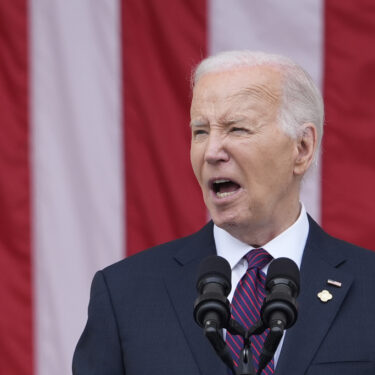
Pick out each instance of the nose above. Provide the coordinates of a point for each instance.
(215, 149)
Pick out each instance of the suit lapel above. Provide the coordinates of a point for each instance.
(182, 292)
(320, 262)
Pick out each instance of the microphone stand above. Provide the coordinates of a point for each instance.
(214, 335)
(270, 344)
(245, 364)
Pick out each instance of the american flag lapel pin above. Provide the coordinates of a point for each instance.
(335, 283)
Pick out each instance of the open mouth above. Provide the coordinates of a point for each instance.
(224, 188)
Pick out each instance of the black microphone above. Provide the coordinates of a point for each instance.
(213, 285)
(282, 286)
(279, 310)
(212, 308)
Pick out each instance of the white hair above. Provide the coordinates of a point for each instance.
(301, 99)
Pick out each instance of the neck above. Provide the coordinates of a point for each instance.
(258, 234)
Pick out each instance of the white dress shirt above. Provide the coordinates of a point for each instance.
(289, 244)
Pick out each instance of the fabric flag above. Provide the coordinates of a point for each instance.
(94, 141)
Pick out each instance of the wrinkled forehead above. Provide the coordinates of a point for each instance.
(260, 83)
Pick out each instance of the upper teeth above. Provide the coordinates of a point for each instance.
(220, 181)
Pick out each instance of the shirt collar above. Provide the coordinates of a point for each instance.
(289, 244)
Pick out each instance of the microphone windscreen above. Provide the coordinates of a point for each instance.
(284, 268)
(215, 265)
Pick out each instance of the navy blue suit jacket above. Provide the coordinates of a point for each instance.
(140, 318)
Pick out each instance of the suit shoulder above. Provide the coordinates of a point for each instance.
(363, 258)
(356, 260)
(353, 251)
(359, 260)
(335, 246)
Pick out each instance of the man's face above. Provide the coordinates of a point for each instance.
(241, 157)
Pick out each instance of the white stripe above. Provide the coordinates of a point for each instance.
(290, 27)
(77, 168)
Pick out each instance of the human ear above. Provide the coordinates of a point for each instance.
(306, 146)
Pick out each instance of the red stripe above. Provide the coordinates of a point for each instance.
(256, 340)
(269, 367)
(162, 41)
(237, 341)
(233, 351)
(251, 288)
(256, 308)
(256, 259)
(256, 359)
(251, 321)
(15, 259)
(261, 294)
(238, 315)
(348, 178)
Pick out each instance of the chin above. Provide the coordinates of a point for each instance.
(226, 221)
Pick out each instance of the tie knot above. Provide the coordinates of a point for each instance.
(257, 258)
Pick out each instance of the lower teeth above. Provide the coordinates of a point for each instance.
(223, 195)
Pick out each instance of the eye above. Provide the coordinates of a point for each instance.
(236, 129)
(199, 133)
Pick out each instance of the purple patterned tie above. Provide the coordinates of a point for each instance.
(247, 301)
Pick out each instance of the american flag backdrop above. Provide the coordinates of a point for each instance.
(94, 140)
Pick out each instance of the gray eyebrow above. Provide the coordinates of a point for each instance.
(224, 120)
(231, 120)
(197, 123)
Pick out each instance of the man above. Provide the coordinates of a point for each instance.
(256, 123)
